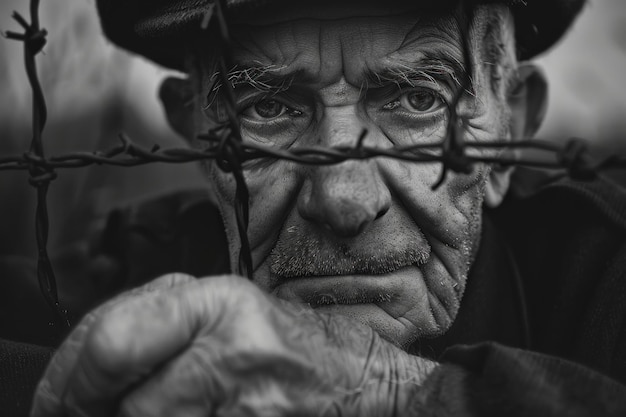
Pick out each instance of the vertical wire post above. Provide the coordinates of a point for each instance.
(34, 39)
(231, 146)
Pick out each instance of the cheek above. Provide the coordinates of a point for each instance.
(443, 213)
(463, 201)
(272, 190)
(224, 189)
(450, 218)
(464, 195)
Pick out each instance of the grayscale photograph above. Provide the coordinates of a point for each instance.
(271, 208)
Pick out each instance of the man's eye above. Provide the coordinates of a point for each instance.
(269, 109)
(420, 101)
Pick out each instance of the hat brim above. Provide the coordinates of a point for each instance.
(161, 30)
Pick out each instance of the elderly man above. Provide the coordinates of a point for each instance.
(363, 274)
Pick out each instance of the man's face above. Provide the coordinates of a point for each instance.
(368, 239)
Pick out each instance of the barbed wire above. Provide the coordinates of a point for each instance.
(34, 39)
(573, 157)
(226, 146)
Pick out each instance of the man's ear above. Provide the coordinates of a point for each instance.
(527, 99)
(176, 94)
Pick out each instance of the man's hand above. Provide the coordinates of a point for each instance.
(220, 346)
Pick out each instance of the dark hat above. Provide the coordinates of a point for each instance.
(160, 29)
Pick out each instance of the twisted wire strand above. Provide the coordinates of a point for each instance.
(34, 39)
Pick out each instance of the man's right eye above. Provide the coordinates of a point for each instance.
(269, 109)
(418, 101)
(273, 120)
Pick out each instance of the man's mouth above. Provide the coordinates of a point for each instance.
(318, 300)
(318, 291)
(305, 251)
(313, 262)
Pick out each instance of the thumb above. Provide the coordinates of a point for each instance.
(47, 399)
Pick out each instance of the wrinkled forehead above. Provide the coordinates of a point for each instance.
(332, 43)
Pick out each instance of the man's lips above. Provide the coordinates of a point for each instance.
(346, 289)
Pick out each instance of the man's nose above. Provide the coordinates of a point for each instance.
(349, 196)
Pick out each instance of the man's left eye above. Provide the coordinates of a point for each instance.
(269, 109)
(416, 101)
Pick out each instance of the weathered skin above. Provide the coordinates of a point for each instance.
(368, 240)
(393, 253)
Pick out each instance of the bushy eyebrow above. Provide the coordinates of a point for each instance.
(432, 67)
(270, 79)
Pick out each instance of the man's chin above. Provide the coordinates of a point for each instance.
(395, 305)
(397, 331)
